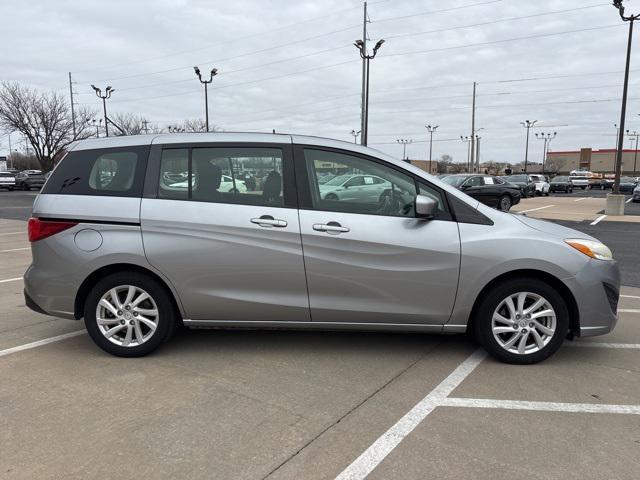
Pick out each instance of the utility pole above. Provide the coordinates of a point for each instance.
(214, 72)
(366, 57)
(363, 104)
(527, 124)
(146, 126)
(431, 129)
(404, 142)
(635, 154)
(73, 111)
(107, 94)
(355, 135)
(478, 153)
(547, 137)
(473, 122)
(468, 141)
(10, 151)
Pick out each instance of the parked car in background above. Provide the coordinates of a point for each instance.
(600, 183)
(136, 259)
(561, 183)
(492, 191)
(579, 181)
(355, 187)
(523, 181)
(28, 179)
(627, 184)
(636, 194)
(7, 180)
(542, 184)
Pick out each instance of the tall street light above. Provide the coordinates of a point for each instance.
(635, 154)
(355, 135)
(468, 141)
(431, 129)
(361, 46)
(547, 137)
(96, 124)
(631, 19)
(527, 124)
(107, 94)
(404, 142)
(213, 73)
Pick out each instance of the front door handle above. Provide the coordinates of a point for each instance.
(333, 228)
(268, 221)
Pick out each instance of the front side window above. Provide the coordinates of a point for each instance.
(359, 186)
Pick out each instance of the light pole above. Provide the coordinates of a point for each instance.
(96, 124)
(547, 137)
(404, 142)
(477, 154)
(635, 154)
(527, 124)
(107, 94)
(355, 135)
(213, 73)
(366, 57)
(431, 129)
(631, 19)
(468, 140)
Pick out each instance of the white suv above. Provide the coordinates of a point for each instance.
(541, 183)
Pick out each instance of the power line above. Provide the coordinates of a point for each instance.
(431, 12)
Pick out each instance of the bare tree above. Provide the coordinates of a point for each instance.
(192, 125)
(44, 119)
(129, 124)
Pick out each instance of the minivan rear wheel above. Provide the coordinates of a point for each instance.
(129, 314)
(522, 321)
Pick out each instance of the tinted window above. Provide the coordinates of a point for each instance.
(393, 194)
(473, 182)
(174, 174)
(454, 180)
(115, 172)
(442, 211)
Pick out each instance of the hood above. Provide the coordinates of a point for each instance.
(551, 228)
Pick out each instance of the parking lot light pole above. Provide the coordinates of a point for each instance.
(213, 73)
(468, 140)
(431, 129)
(107, 94)
(404, 142)
(547, 137)
(631, 19)
(366, 57)
(527, 124)
(635, 154)
(355, 135)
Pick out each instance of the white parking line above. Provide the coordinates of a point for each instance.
(628, 310)
(14, 249)
(581, 199)
(630, 296)
(598, 220)
(384, 445)
(629, 201)
(541, 406)
(632, 346)
(13, 233)
(6, 280)
(39, 343)
(534, 209)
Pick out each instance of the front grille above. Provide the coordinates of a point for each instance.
(612, 295)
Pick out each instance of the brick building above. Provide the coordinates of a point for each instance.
(597, 161)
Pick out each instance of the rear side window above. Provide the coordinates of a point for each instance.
(111, 172)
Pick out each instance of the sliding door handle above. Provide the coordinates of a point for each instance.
(268, 221)
(333, 228)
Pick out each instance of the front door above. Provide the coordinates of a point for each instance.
(371, 260)
(226, 234)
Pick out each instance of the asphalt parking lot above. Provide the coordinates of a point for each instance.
(314, 405)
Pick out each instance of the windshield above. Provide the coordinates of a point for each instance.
(338, 180)
(560, 179)
(627, 180)
(516, 178)
(454, 180)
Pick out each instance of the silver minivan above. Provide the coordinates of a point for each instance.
(137, 236)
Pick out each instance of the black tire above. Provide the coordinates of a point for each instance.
(166, 322)
(570, 190)
(491, 301)
(505, 203)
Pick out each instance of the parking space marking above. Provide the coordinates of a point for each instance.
(534, 209)
(603, 345)
(580, 199)
(598, 220)
(14, 249)
(630, 296)
(12, 233)
(39, 343)
(384, 445)
(628, 310)
(6, 280)
(541, 406)
(629, 201)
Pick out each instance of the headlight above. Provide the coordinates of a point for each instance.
(591, 248)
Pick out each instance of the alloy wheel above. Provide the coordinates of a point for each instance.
(523, 323)
(127, 316)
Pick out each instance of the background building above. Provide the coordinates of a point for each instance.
(597, 161)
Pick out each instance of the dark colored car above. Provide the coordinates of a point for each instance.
(627, 184)
(492, 191)
(600, 183)
(29, 179)
(561, 183)
(524, 182)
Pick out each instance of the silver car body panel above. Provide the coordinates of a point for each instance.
(385, 273)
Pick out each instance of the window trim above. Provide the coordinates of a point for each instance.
(305, 199)
(289, 190)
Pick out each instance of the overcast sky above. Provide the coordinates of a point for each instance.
(292, 66)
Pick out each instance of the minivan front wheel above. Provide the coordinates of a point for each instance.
(522, 321)
(129, 314)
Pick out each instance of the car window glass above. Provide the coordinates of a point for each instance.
(392, 195)
(442, 211)
(174, 174)
(488, 180)
(248, 176)
(473, 182)
(498, 181)
(113, 171)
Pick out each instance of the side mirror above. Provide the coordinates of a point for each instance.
(425, 206)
